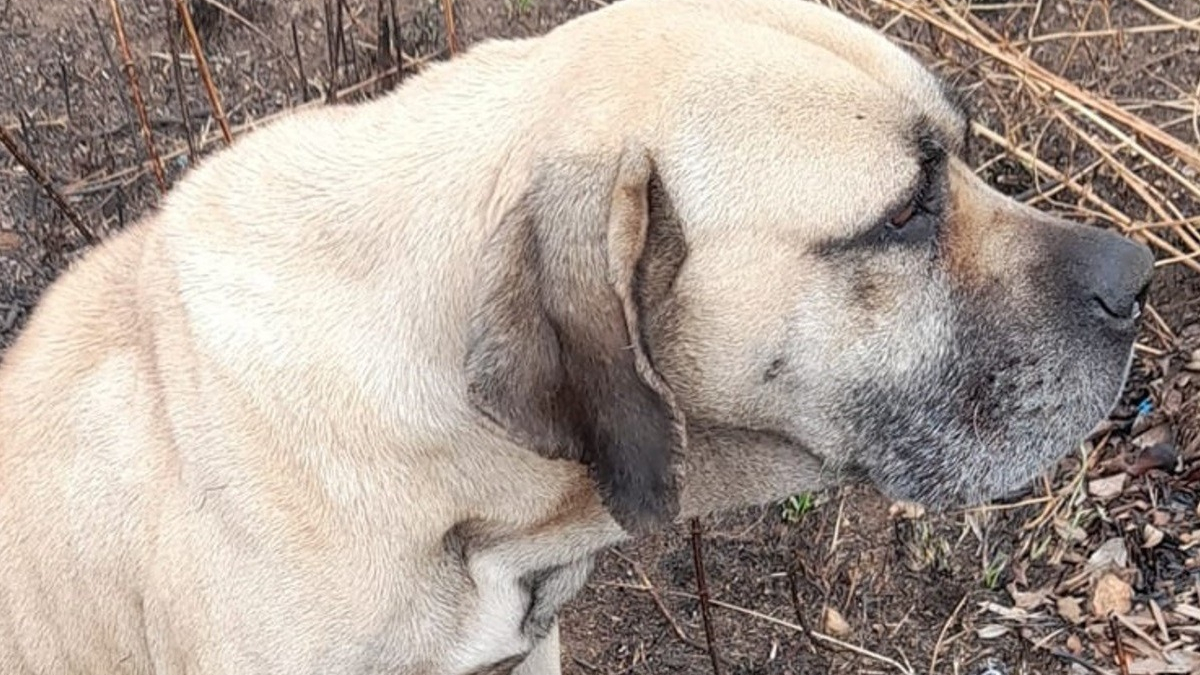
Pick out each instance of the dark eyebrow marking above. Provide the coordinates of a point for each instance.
(929, 146)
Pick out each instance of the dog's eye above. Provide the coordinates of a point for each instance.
(903, 216)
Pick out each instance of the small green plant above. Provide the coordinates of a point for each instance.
(521, 6)
(992, 572)
(797, 506)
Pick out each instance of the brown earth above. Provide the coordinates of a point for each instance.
(988, 591)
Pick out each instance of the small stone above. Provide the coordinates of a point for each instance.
(1160, 457)
(835, 624)
(1112, 553)
(1108, 487)
(1074, 644)
(1111, 596)
(1070, 609)
(1151, 536)
(1193, 363)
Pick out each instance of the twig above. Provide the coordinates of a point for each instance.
(331, 53)
(702, 594)
(1109, 210)
(112, 62)
(202, 63)
(136, 91)
(383, 52)
(43, 180)
(177, 74)
(965, 31)
(226, 9)
(795, 593)
(451, 33)
(339, 45)
(399, 48)
(1071, 658)
(937, 647)
(1135, 182)
(88, 183)
(861, 651)
(299, 62)
(66, 84)
(657, 598)
(1118, 646)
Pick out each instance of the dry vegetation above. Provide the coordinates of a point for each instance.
(1089, 108)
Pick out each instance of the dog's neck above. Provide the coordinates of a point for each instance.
(730, 468)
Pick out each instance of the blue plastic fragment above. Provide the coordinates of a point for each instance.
(1145, 407)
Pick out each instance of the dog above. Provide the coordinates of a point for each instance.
(371, 388)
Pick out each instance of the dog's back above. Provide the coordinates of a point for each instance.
(108, 393)
(75, 521)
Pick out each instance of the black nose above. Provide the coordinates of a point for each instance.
(1111, 272)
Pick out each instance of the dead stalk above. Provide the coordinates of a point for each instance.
(1118, 645)
(702, 594)
(136, 91)
(214, 99)
(177, 76)
(451, 32)
(1046, 82)
(299, 63)
(1110, 211)
(44, 181)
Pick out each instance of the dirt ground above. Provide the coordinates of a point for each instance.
(839, 584)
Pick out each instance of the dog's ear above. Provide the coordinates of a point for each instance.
(556, 354)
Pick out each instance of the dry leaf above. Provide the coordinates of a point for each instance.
(1028, 600)
(1109, 487)
(991, 631)
(1157, 667)
(1111, 595)
(1151, 536)
(834, 623)
(1111, 553)
(1160, 433)
(1007, 613)
(1160, 457)
(1070, 609)
(1069, 532)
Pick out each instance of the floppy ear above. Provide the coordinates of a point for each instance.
(556, 354)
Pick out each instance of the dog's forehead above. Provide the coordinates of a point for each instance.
(804, 119)
(861, 45)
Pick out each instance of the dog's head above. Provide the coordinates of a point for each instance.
(780, 242)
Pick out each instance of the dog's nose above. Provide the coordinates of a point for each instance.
(1113, 273)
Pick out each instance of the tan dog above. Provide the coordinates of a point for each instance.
(372, 388)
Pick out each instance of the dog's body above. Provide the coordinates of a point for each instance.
(371, 389)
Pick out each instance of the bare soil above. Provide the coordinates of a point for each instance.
(850, 586)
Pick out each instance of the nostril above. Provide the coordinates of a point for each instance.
(1122, 313)
(1110, 311)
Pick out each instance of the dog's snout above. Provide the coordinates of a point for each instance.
(1112, 272)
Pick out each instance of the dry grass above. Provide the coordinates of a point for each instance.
(1150, 159)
